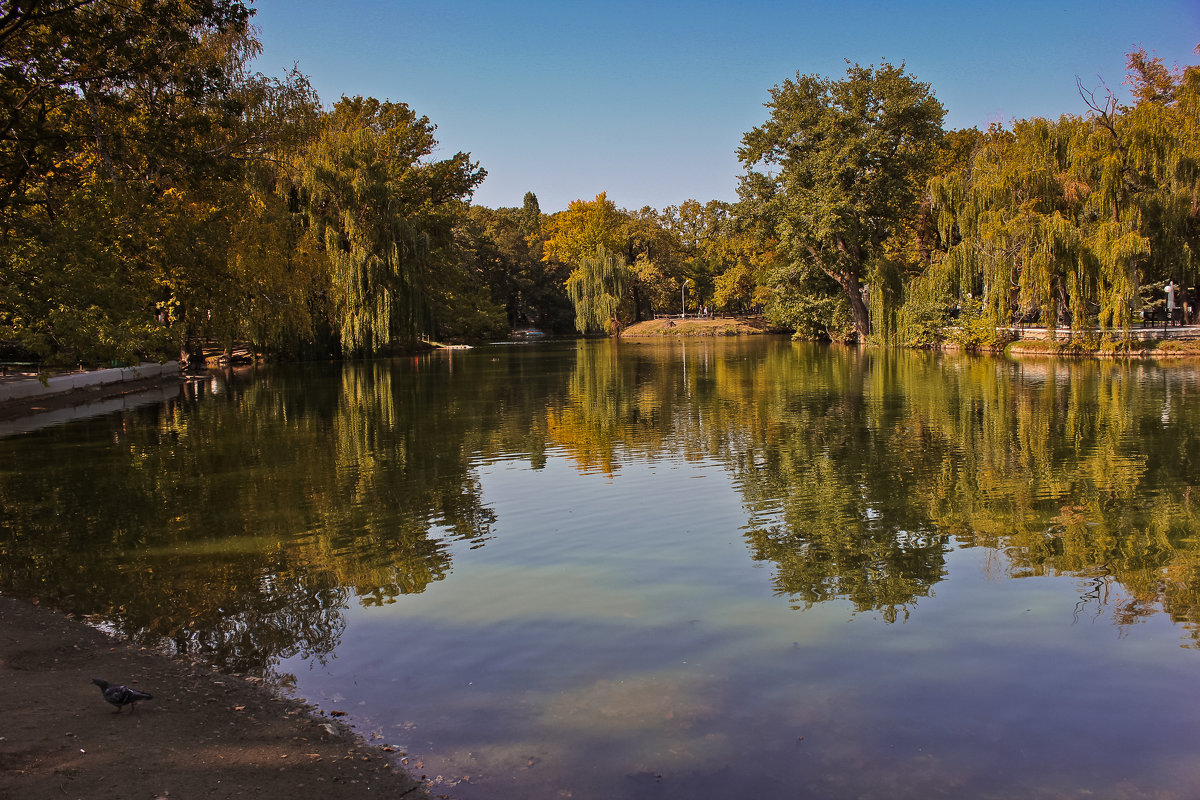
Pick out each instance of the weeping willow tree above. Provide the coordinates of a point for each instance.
(1014, 224)
(1070, 221)
(1162, 138)
(597, 288)
(384, 216)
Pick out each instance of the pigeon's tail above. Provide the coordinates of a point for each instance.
(123, 695)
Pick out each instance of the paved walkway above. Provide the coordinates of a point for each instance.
(19, 387)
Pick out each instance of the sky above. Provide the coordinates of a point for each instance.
(648, 101)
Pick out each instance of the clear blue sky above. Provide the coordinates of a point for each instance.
(649, 100)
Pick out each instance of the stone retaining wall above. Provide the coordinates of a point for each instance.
(1158, 332)
(14, 389)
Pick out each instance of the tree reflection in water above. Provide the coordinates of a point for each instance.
(238, 522)
(859, 469)
(241, 520)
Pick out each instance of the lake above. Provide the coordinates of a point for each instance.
(723, 568)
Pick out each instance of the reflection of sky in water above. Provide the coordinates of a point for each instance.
(615, 639)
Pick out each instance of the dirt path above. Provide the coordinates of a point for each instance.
(204, 735)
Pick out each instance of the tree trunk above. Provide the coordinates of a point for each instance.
(852, 289)
(637, 304)
(858, 305)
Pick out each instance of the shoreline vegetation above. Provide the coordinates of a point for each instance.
(1153, 349)
(156, 193)
(49, 406)
(1143, 343)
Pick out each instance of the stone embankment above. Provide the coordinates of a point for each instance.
(1156, 333)
(1155, 342)
(60, 395)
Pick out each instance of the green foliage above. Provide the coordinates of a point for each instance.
(923, 323)
(502, 247)
(974, 330)
(383, 216)
(837, 170)
(650, 246)
(121, 127)
(154, 193)
(69, 69)
(655, 256)
(575, 234)
(1067, 219)
(597, 288)
(733, 289)
(807, 305)
(723, 255)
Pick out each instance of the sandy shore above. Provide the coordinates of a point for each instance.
(204, 735)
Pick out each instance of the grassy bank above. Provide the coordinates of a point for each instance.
(700, 326)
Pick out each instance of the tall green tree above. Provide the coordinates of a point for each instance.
(271, 291)
(836, 170)
(384, 214)
(504, 246)
(119, 128)
(574, 234)
(655, 255)
(724, 253)
(654, 264)
(65, 65)
(597, 288)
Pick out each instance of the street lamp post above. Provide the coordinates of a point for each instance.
(683, 298)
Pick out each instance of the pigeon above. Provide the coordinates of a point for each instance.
(120, 695)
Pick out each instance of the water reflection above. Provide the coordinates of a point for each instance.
(241, 520)
(859, 469)
(722, 568)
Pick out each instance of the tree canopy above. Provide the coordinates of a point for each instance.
(836, 171)
(1076, 221)
(158, 196)
(119, 143)
(383, 213)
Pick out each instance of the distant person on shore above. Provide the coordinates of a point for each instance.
(1170, 290)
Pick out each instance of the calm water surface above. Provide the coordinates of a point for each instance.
(699, 569)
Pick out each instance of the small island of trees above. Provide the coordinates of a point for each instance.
(156, 194)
